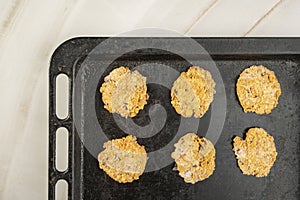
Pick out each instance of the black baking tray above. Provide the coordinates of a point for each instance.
(231, 56)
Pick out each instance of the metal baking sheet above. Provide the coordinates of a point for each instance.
(82, 60)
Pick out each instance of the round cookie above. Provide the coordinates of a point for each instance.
(256, 154)
(193, 92)
(194, 157)
(258, 90)
(124, 160)
(124, 92)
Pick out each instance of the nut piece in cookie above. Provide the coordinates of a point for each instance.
(124, 92)
(256, 154)
(258, 90)
(124, 160)
(193, 92)
(194, 158)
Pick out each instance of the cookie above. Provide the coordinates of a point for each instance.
(258, 90)
(193, 92)
(256, 154)
(124, 160)
(194, 158)
(124, 92)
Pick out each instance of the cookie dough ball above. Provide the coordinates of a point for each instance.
(258, 90)
(193, 92)
(194, 157)
(124, 160)
(124, 92)
(256, 154)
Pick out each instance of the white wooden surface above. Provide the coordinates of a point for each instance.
(30, 30)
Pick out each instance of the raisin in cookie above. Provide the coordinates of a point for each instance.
(124, 160)
(124, 92)
(193, 92)
(258, 90)
(194, 157)
(256, 154)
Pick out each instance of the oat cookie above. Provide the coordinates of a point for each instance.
(124, 160)
(258, 90)
(256, 154)
(193, 92)
(194, 157)
(124, 92)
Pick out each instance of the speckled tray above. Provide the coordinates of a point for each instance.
(231, 55)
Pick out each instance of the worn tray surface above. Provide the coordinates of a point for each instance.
(87, 181)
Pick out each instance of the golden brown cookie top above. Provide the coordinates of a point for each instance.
(258, 90)
(124, 92)
(124, 160)
(192, 93)
(257, 153)
(194, 157)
